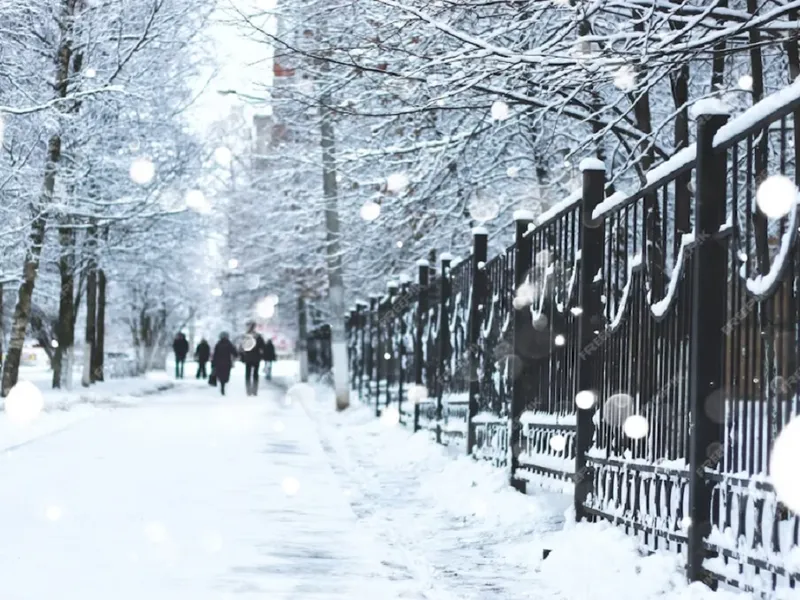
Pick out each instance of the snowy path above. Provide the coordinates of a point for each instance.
(185, 496)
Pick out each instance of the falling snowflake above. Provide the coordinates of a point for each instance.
(500, 111)
(233, 263)
(776, 196)
(483, 209)
(560, 340)
(223, 156)
(397, 182)
(142, 171)
(558, 442)
(290, 486)
(783, 465)
(512, 171)
(196, 201)
(24, 403)
(253, 282)
(625, 79)
(216, 292)
(399, 244)
(370, 210)
(636, 427)
(585, 399)
(617, 409)
(265, 309)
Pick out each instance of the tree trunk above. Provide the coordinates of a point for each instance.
(33, 253)
(335, 276)
(99, 354)
(65, 333)
(302, 337)
(91, 319)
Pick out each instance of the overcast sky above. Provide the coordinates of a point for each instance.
(237, 62)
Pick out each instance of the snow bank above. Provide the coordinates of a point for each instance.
(462, 528)
(63, 408)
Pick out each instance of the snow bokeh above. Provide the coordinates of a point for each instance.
(636, 427)
(625, 79)
(223, 156)
(558, 442)
(783, 465)
(290, 486)
(24, 403)
(142, 171)
(196, 200)
(500, 111)
(585, 399)
(776, 196)
(397, 182)
(617, 409)
(746, 83)
(483, 209)
(370, 210)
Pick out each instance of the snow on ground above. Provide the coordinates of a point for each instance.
(63, 408)
(186, 495)
(457, 526)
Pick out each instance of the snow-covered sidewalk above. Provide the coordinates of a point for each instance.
(458, 528)
(185, 495)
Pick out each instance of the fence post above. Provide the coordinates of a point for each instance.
(389, 347)
(442, 339)
(523, 256)
(402, 350)
(361, 316)
(419, 335)
(374, 304)
(478, 300)
(709, 281)
(591, 247)
(380, 351)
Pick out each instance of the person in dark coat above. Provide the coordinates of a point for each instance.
(202, 354)
(252, 352)
(222, 360)
(181, 348)
(269, 357)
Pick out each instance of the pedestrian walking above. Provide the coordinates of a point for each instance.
(202, 354)
(222, 360)
(181, 348)
(269, 358)
(252, 352)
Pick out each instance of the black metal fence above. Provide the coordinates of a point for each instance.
(637, 354)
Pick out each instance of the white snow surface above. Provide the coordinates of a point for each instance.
(709, 106)
(592, 164)
(185, 495)
(455, 525)
(523, 215)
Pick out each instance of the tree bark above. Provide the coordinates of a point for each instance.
(334, 256)
(99, 354)
(65, 333)
(302, 336)
(91, 315)
(33, 253)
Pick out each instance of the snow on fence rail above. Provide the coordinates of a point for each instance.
(570, 359)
